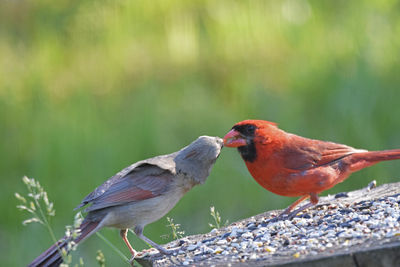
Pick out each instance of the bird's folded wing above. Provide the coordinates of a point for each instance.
(134, 187)
(144, 179)
(305, 153)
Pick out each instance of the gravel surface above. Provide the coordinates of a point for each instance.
(335, 225)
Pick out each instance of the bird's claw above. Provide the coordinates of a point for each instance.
(154, 251)
(273, 220)
(282, 217)
(146, 252)
(168, 251)
(142, 254)
(290, 217)
(132, 260)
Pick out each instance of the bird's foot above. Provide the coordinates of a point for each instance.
(281, 217)
(155, 250)
(145, 253)
(142, 254)
(167, 251)
(132, 260)
(285, 215)
(273, 220)
(290, 216)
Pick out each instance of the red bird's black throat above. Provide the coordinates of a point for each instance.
(248, 152)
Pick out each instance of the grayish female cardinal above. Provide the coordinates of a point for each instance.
(141, 194)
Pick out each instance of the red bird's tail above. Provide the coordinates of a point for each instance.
(52, 257)
(366, 159)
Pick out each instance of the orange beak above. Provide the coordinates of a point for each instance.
(234, 139)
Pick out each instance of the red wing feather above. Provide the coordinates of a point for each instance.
(303, 153)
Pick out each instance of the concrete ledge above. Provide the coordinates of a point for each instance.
(359, 228)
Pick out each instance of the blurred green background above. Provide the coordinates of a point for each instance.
(89, 87)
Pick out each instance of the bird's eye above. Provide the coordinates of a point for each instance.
(251, 128)
(246, 129)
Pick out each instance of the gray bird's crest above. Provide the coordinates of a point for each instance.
(197, 159)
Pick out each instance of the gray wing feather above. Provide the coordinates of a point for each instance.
(147, 181)
(162, 163)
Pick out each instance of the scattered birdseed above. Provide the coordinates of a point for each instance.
(319, 229)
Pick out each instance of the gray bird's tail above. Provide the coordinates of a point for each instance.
(52, 257)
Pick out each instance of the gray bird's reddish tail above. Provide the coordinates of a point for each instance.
(51, 257)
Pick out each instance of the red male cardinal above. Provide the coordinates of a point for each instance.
(141, 194)
(291, 165)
